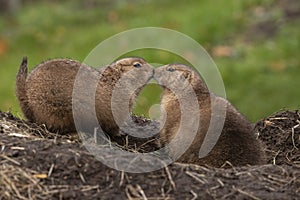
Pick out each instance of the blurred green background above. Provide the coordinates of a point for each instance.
(255, 43)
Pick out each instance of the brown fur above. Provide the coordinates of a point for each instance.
(45, 95)
(237, 143)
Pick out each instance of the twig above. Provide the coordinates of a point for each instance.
(269, 123)
(2, 148)
(170, 178)
(195, 196)
(90, 188)
(221, 183)
(19, 135)
(130, 189)
(278, 118)
(246, 193)
(10, 159)
(141, 191)
(126, 142)
(50, 170)
(122, 179)
(274, 159)
(146, 143)
(191, 174)
(277, 179)
(82, 177)
(95, 135)
(17, 148)
(293, 135)
(229, 163)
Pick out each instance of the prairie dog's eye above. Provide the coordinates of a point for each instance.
(137, 64)
(170, 69)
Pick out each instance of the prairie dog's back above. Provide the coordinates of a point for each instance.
(46, 94)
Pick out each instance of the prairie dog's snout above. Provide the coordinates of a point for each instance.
(176, 76)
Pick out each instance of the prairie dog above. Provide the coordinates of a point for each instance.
(45, 94)
(237, 143)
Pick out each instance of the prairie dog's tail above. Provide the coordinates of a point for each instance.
(21, 88)
(21, 81)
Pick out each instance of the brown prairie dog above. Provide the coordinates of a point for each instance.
(45, 95)
(237, 142)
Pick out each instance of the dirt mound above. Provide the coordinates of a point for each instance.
(281, 134)
(36, 164)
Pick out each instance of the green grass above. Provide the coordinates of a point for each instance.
(260, 79)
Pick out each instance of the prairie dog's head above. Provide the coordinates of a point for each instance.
(124, 79)
(132, 70)
(179, 77)
(127, 64)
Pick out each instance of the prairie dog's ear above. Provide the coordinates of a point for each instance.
(187, 75)
(193, 75)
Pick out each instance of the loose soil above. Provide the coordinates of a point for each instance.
(37, 164)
